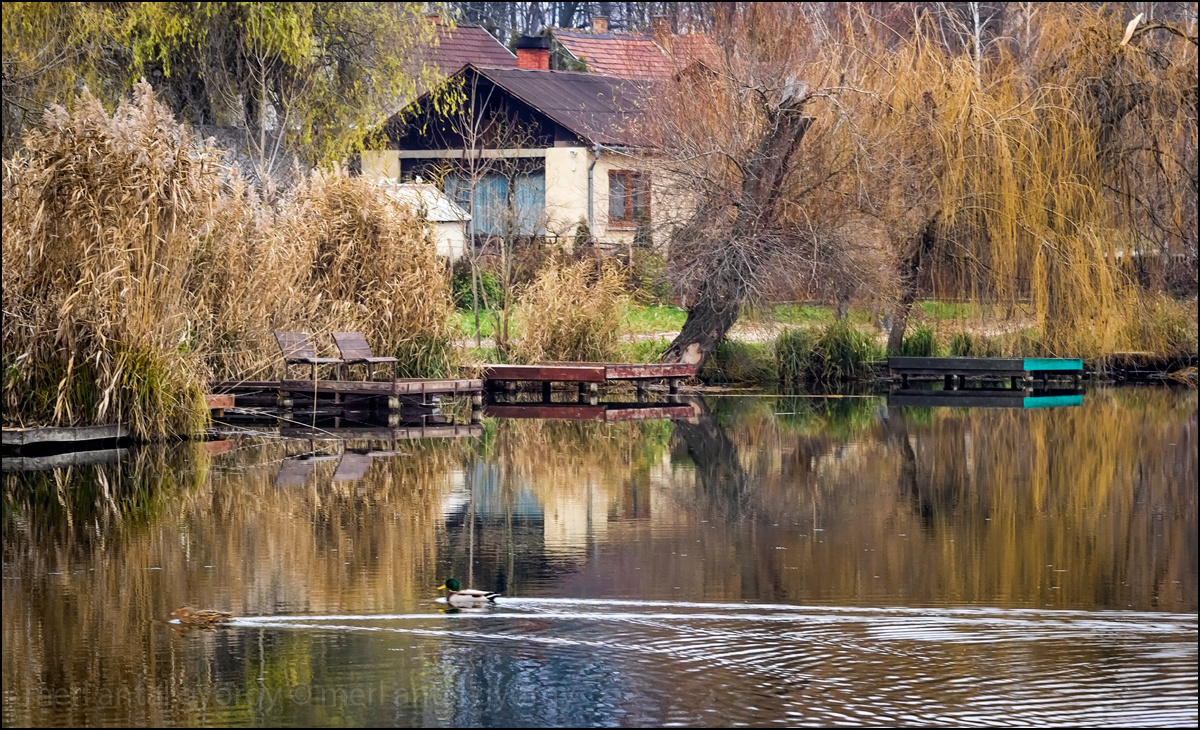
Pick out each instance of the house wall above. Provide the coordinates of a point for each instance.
(566, 189)
(567, 193)
(451, 238)
(381, 163)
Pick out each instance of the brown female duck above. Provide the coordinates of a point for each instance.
(200, 617)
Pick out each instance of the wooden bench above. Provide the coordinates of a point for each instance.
(297, 348)
(355, 350)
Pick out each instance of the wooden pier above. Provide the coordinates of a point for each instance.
(956, 370)
(17, 440)
(588, 375)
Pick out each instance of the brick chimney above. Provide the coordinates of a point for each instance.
(434, 18)
(599, 23)
(533, 52)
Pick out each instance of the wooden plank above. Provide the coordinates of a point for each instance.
(649, 371)
(956, 364)
(1053, 363)
(57, 461)
(62, 434)
(558, 373)
(383, 387)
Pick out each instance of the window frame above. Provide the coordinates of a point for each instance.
(636, 182)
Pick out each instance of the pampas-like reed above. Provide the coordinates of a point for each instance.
(571, 311)
(137, 266)
(100, 217)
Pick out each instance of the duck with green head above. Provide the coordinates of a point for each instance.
(456, 595)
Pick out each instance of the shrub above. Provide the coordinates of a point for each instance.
(490, 290)
(794, 355)
(740, 362)
(843, 352)
(921, 343)
(571, 311)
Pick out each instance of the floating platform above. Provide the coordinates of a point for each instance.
(983, 398)
(1022, 370)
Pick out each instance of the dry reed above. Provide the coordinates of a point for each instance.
(571, 311)
(137, 266)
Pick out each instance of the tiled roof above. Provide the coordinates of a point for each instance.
(624, 55)
(468, 44)
(600, 109)
(636, 55)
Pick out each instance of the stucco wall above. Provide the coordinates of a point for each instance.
(566, 189)
(451, 237)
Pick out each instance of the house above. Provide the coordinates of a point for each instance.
(447, 220)
(530, 152)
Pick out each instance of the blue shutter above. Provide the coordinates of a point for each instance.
(529, 202)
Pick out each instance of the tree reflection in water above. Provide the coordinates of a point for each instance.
(838, 505)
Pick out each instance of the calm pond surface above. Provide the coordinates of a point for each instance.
(776, 560)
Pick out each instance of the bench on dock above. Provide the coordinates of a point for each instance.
(956, 369)
(297, 349)
(355, 351)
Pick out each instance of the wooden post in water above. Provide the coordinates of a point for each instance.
(547, 390)
(673, 386)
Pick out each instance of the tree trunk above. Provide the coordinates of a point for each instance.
(720, 297)
(909, 276)
(707, 322)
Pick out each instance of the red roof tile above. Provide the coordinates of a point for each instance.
(624, 55)
(637, 55)
(467, 44)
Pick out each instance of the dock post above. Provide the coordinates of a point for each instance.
(904, 380)
(582, 392)
(951, 381)
(673, 386)
(547, 390)
(641, 392)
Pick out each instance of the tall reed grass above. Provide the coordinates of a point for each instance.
(137, 267)
(840, 352)
(571, 311)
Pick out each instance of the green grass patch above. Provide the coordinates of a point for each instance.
(740, 362)
(923, 342)
(642, 351)
(937, 311)
(642, 319)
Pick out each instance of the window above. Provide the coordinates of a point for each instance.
(502, 205)
(628, 198)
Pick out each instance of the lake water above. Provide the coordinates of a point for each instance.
(772, 561)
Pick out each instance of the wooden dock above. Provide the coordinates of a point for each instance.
(955, 370)
(588, 375)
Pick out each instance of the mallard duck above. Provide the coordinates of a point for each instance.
(201, 617)
(458, 596)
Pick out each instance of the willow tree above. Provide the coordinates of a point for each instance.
(725, 162)
(311, 79)
(1060, 163)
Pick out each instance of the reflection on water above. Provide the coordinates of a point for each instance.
(774, 560)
